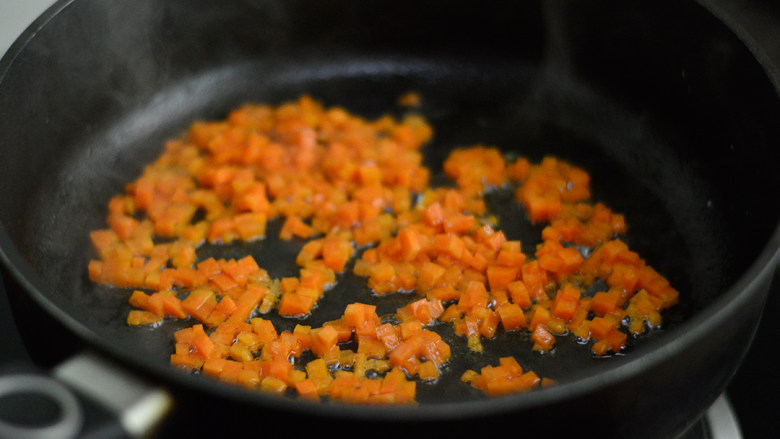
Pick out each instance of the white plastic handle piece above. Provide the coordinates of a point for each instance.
(138, 406)
(67, 425)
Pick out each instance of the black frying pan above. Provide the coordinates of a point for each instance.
(663, 104)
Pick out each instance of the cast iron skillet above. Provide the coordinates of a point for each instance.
(663, 104)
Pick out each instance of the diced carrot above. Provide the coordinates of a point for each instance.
(226, 306)
(426, 311)
(294, 304)
(600, 328)
(500, 276)
(295, 227)
(507, 377)
(512, 316)
(362, 185)
(187, 361)
(371, 347)
(539, 317)
(604, 303)
(273, 385)
(488, 321)
(344, 332)
(358, 314)
(250, 299)
(389, 335)
(201, 342)
(136, 317)
(542, 338)
(307, 390)
(450, 244)
(323, 339)
(519, 294)
(443, 293)
(433, 215)
(335, 253)
(172, 306)
(428, 371)
(459, 223)
(564, 309)
(510, 258)
(474, 295)
(566, 302)
(535, 279)
(519, 169)
(411, 244)
(200, 303)
(264, 329)
(430, 273)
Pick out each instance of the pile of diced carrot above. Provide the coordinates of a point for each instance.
(357, 194)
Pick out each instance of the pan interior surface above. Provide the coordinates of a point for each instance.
(461, 116)
(657, 129)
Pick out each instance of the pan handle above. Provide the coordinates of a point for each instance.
(138, 405)
(37, 389)
(67, 402)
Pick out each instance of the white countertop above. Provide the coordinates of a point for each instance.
(15, 16)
